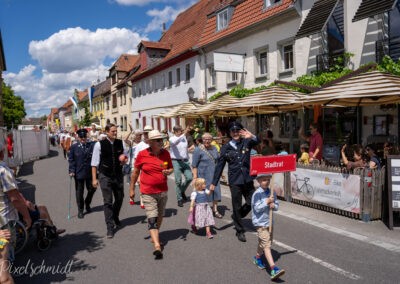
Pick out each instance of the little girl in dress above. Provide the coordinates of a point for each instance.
(200, 212)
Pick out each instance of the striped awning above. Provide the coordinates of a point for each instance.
(370, 8)
(370, 88)
(179, 110)
(271, 100)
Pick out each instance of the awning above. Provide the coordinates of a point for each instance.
(317, 18)
(370, 88)
(179, 110)
(271, 100)
(370, 8)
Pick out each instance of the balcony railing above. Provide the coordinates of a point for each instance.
(330, 61)
(389, 46)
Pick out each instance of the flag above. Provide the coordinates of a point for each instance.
(90, 96)
(75, 103)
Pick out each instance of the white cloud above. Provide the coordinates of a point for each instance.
(76, 48)
(69, 59)
(145, 2)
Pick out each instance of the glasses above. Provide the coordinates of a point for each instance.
(207, 139)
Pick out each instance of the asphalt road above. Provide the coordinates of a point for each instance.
(309, 254)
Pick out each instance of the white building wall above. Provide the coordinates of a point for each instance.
(152, 103)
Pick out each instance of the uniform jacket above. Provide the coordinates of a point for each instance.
(79, 158)
(238, 162)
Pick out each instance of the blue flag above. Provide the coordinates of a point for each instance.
(90, 96)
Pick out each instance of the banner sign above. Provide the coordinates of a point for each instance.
(228, 62)
(337, 190)
(272, 164)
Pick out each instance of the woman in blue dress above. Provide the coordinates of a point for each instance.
(204, 160)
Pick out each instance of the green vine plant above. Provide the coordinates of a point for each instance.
(389, 65)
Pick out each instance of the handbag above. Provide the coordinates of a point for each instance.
(191, 217)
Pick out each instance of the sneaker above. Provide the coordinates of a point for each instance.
(258, 262)
(117, 223)
(180, 203)
(210, 235)
(241, 237)
(80, 215)
(276, 273)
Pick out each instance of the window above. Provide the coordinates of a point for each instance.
(178, 76)
(114, 101)
(162, 81)
(211, 76)
(169, 79)
(108, 103)
(262, 63)
(287, 57)
(187, 72)
(124, 98)
(222, 20)
(120, 97)
(269, 3)
(122, 123)
(232, 77)
(154, 83)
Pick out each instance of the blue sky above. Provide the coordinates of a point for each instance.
(54, 46)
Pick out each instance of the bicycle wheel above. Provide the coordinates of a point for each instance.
(21, 237)
(308, 191)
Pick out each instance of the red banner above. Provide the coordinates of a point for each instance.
(272, 164)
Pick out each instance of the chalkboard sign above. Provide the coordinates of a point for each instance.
(393, 163)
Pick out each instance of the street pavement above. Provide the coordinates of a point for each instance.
(311, 245)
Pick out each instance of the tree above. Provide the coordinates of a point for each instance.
(13, 107)
(85, 121)
(43, 118)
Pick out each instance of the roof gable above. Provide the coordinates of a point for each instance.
(125, 62)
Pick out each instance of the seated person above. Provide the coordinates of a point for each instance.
(40, 212)
(359, 158)
(305, 157)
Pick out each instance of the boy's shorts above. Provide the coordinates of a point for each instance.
(264, 237)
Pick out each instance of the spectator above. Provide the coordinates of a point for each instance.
(374, 161)
(268, 147)
(305, 157)
(359, 158)
(93, 133)
(315, 140)
(237, 154)
(180, 160)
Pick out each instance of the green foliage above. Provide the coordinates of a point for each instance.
(86, 120)
(43, 118)
(13, 107)
(238, 92)
(388, 65)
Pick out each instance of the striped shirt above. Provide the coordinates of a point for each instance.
(7, 183)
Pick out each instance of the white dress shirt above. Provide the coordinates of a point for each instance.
(97, 150)
(179, 147)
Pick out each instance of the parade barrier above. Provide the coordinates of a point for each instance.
(356, 194)
(29, 145)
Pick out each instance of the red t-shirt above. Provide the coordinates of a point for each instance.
(10, 146)
(152, 180)
(316, 142)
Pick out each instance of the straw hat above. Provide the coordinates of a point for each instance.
(155, 134)
(147, 128)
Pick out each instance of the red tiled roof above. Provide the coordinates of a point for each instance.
(155, 45)
(68, 103)
(82, 94)
(185, 32)
(125, 62)
(246, 13)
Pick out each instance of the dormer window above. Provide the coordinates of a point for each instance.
(269, 3)
(223, 18)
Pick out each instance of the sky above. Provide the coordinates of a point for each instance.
(53, 47)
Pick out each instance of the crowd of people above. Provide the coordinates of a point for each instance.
(146, 157)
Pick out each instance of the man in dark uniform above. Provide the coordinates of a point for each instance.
(79, 158)
(237, 153)
(105, 159)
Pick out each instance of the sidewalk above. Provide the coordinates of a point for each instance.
(374, 232)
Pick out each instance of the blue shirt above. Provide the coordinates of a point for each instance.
(260, 208)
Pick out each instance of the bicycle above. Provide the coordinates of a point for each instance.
(306, 189)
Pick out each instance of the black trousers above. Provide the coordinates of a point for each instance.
(240, 211)
(79, 192)
(111, 187)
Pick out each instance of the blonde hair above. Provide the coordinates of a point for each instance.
(198, 183)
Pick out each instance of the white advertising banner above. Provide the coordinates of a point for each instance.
(337, 190)
(228, 62)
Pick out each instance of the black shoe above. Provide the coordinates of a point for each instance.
(241, 237)
(158, 254)
(184, 197)
(180, 203)
(88, 209)
(110, 234)
(80, 215)
(117, 223)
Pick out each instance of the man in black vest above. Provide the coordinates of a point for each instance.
(237, 153)
(79, 158)
(105, 159)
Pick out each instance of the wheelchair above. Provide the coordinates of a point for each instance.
(40, 231)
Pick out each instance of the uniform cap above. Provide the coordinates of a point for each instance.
(263, 175)
(82, 133)
(235, 126)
